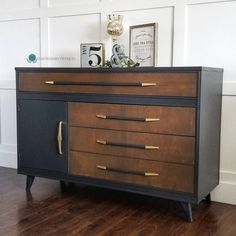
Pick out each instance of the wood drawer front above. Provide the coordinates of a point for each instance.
(167, 148)
(172, 120)
(167, 84)
(170, 176)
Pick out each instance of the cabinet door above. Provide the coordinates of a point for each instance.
(38, 128)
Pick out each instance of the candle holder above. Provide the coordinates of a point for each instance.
(115, 27)
(118, 58)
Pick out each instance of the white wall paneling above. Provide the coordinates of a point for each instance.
(19, 38)
(228, 128)
(191, 32)
(8, 127)
(71, 31)
(164, 17)
(10, 5)
(211, 36)
(53, 3)
(226, 191)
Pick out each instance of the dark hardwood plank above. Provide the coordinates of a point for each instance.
(81, 210)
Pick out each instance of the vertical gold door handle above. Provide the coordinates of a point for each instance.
(59, 137)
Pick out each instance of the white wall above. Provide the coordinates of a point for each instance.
(191, 32)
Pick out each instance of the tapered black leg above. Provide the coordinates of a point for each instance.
(29, 182)
(63, 185)
(208, 198)
(187, 210)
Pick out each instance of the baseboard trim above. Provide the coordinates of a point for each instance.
(225, 192)
(229, 88)
(8, 159)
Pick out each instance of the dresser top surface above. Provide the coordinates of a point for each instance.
(116, 70)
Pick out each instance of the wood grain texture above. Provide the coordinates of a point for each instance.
(173, 120)
(168, 84)
(177, 149)
(171, 176)
(85, 211)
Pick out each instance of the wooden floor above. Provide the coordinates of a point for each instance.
(81, 210)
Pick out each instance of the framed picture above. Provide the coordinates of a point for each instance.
(143, 44)
(91, 54)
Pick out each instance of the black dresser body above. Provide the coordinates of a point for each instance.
(152, 131)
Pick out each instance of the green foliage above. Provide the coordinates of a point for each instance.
(127, 62)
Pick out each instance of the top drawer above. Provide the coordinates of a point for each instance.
(162, 84)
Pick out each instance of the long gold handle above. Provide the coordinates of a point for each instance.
(126, 171)
(126, 118)
(59, 137)
(100, 83)
(130, 145)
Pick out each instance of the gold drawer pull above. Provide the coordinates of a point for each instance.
(49, 82)
(131, 145)
(148, 84)
(123, 84)
(101, 141)
(151, 119)
(127, 171)
(59, 137)
(101, 167)
(151, 174)
(128, 118)
(151, 147)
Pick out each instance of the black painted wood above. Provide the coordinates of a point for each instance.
(119, 70)
(208, 132)
(37, 140)
(32, 106)
(29, 182)
(188, 211)
(208, 198)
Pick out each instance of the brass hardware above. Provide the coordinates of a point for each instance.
(101, 116)
(127, 118)
(124, 171)
(99, 83)
(126, 145)
(150, 174)
(59, 137)
(101, 141)
(151, 119)
(151, 147)
(101, 167)
(148, 84)
(49, 82)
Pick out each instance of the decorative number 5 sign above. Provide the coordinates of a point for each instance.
(92, 54)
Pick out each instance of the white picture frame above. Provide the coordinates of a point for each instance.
(143, 44)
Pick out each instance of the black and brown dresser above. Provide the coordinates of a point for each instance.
(152, 131)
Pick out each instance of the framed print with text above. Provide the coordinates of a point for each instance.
(143, 44)
(91, 54)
